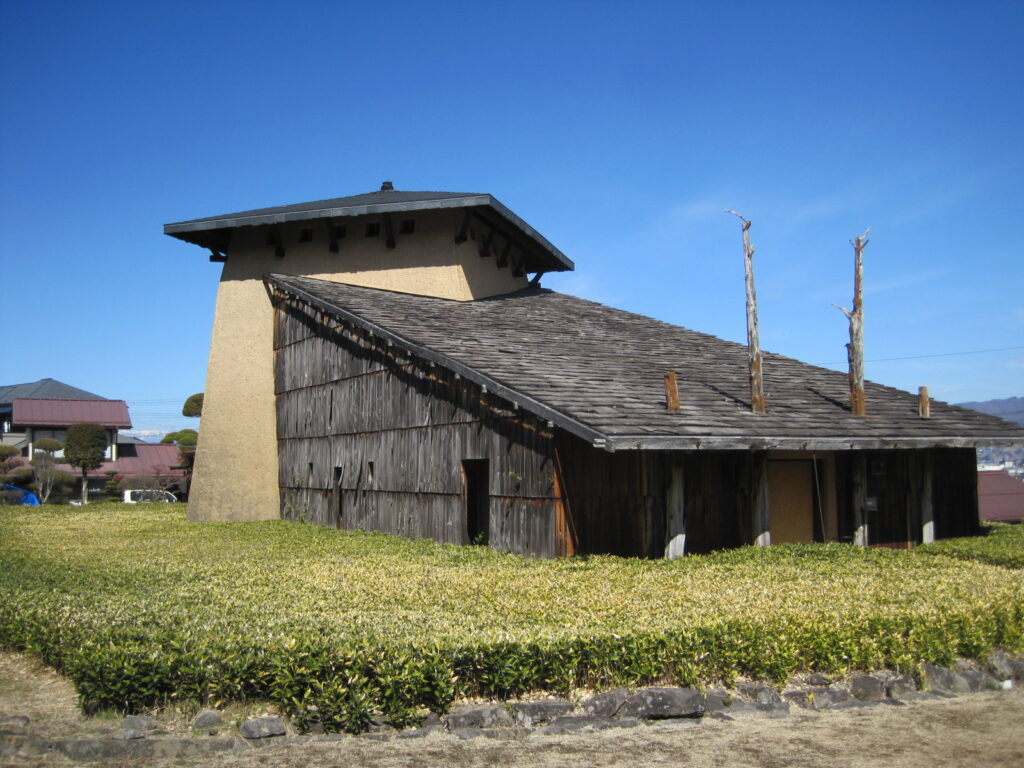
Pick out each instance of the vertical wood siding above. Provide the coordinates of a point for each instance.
(895, 481)
(346, 401)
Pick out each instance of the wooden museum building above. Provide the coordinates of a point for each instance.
(389, 361)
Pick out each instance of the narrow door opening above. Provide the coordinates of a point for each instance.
(793, 501)
(338, 495)
(475, 487)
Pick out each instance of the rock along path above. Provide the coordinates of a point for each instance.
(879, 719)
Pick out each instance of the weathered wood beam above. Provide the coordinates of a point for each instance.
(760, 505)
(924, 403)
(754, 360)
(671, 391)
(855, 349)
(217, 256)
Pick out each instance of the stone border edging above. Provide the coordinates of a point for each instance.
(657, 706)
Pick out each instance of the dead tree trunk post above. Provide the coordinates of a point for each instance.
(757, 401)
(855, 349)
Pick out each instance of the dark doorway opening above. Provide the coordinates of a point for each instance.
(338, 495)
(475, 486)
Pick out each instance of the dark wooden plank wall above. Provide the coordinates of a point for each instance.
(345, 401)
(895, 480)
(617, 500)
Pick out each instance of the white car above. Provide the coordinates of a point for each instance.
(142, 497)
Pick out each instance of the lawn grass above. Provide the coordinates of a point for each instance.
(139, 607)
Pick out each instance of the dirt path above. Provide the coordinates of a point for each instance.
(969, 731)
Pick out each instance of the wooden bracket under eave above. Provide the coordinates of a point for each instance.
(278, 242)
(485, 245)
(389, 232)
(462, 234)
(217, 256)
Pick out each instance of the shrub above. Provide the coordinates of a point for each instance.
(337, 626)
(1002, 544)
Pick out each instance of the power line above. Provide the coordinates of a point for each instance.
(921, 357)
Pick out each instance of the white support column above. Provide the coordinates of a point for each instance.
(761, 504)
(927, 508)
(675, 518)
(859, 500)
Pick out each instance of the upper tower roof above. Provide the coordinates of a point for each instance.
(214, 232)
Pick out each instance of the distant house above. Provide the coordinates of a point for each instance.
(1000, 497)
(46, 408)
(407, 375)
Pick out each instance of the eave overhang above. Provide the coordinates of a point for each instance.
(214, 232)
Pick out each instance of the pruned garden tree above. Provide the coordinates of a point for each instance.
(183, 438)
(193, 407)
(8, 461)
(8, 464)
(44, 466)
(85, 446)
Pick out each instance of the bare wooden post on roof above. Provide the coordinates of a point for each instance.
(855, 349)
(924, 404)
(757, 402)
(671, 391)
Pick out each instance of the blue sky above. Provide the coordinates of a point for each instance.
(618, 130)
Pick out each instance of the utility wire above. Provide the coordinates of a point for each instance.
(921, 357)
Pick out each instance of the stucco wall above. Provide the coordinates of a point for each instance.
(236, 460)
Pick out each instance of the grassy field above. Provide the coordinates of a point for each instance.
(139, 608)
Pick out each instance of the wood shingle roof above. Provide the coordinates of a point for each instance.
(598, 372)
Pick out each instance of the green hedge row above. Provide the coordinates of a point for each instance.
(140, 609)
(1002, 544)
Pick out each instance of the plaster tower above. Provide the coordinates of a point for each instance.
(450, 245)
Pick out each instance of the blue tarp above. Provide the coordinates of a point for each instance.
(27, 497)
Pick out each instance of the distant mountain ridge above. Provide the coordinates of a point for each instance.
(1010, 408)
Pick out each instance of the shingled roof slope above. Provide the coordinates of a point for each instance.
(599, 371)
(48, 389)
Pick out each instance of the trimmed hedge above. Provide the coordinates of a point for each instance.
(1002, 544)
(140, 608)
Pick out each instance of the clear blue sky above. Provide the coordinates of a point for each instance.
(618, 130)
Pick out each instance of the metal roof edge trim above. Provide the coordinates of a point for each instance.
(687, 442)
(525, 401)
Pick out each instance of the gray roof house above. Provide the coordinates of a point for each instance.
(536, 422)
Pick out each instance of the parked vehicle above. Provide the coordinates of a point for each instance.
(145, 496)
